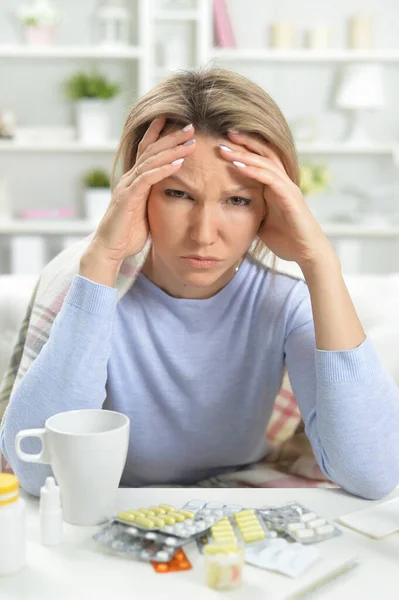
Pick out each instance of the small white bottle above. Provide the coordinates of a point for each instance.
(51, 523)
(12, 526)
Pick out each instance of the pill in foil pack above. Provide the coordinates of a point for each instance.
(242, 528)
(141, 545)
(189, 521)
(299, 522)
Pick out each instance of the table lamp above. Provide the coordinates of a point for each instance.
(361, 88)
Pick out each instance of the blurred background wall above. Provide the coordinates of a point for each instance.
(333, 68)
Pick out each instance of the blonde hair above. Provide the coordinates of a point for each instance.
(214, 100)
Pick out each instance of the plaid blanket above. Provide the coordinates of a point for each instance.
(291, 461)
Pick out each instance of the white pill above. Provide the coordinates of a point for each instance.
(209, 521)
(171, 541)
(304, 533)
(324, 529)
(132, 530)
(295, 526)
(162, 555)
(145, 554)
(273, 534)
(190, 530)
(218, 513)
(200, 523)
(308, 517)
(316, 523)
(150, 535)
(167, 529)
(205, 512)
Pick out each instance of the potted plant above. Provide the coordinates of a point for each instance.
(314, 182)
(97, 194)
(91, 93)
(40, 19)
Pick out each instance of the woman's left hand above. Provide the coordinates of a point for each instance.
(289, 229)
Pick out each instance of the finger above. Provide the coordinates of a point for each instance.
(266, 176)
(150, 178)
(250, 159)
(170, 140)
(157, 160)
(254, 144)
(151, 135)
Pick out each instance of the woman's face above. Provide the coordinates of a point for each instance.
(209, 209)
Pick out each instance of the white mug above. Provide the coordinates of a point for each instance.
(87, 451)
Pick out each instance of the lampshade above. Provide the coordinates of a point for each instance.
(361, 86)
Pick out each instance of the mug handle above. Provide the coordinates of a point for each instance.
(43, 456)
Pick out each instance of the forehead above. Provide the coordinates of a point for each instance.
(205, 165)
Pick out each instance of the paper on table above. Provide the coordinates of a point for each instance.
(331, 569)
(376, 521)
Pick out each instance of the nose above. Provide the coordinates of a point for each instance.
(204, 226)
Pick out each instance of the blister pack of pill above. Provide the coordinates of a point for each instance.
(238, 530)
(289, 558)
(136, 543)
(191, 520)
(299, 522)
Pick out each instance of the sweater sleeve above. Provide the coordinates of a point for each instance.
(69, 373)
(349, 403)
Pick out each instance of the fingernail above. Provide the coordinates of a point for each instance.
(178, 161)
(238, 164)
(189, 142)
(223, 147)
(187, 127)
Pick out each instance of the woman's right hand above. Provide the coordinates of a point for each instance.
(124, 228)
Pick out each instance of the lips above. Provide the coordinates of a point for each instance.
(205, 258)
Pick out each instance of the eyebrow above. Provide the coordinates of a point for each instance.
(232, 191)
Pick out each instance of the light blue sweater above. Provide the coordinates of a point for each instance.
(198, 379)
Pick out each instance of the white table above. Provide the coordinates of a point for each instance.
(78, 569)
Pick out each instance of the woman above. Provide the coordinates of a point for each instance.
(194, 352)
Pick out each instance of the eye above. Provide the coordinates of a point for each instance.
(240, 201)
(176, 193)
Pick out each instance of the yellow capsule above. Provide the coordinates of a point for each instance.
(247, 511)
(177, 517)
(187, 513)
(253, 536)
(219, 548)
(159, 522)
(144, 522)
(134, 512)
(167, 508)
(157, 510)
(224, 528)
(169, 520)
(224, 537)
(146, 513)
(125, 516)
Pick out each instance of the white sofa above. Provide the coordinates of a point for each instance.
(376, 298)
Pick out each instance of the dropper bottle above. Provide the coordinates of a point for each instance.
(51, 523)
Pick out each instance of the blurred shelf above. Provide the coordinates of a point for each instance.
(359, 231)
(343, 148)
(72, 146)
(311, 56)
(177, 15)
(24, 51)
(46, 227)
